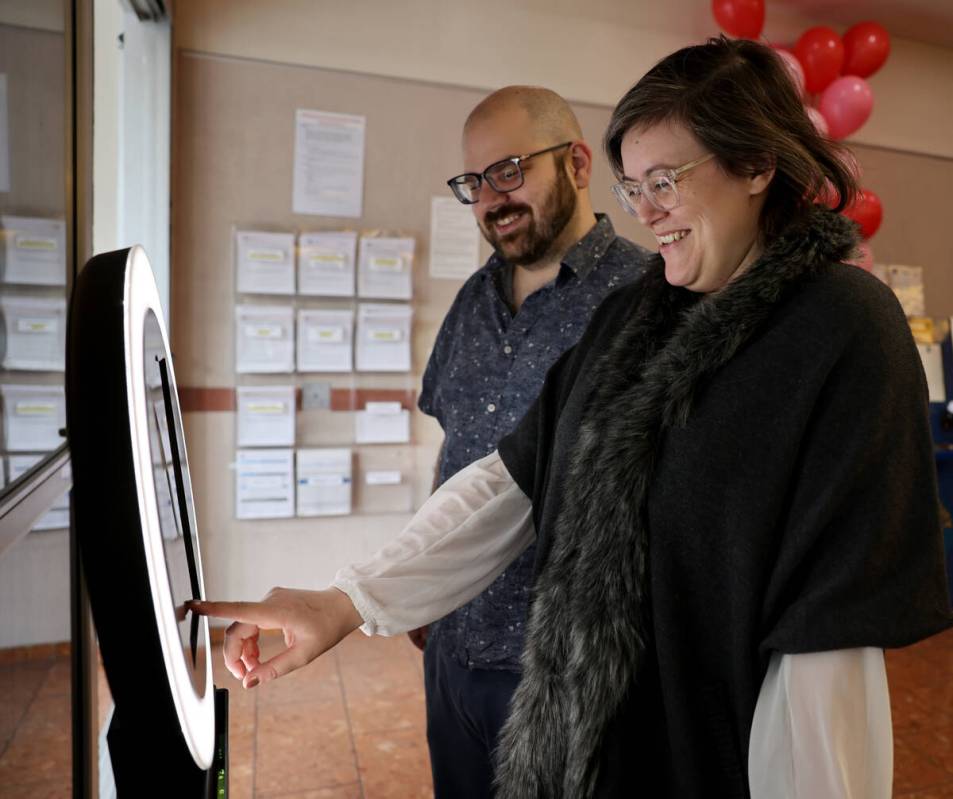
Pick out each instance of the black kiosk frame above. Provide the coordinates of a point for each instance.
(134, 520)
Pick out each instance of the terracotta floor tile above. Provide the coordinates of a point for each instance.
(910, 712)
(317, 682)
(384, 695)
(914, 770)
(358, 647)
(54, 789)
(937, 745)
(371, 678)
(338, 792)
(19, 684)
(398, 712)
(58, 679)
(937, 792)
(241, 755)
(394, 765)
(40, 749)
(910, 669)
(302, 747)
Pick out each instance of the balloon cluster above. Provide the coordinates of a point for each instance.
(830, 71)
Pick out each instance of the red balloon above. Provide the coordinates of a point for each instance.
(866, 47)
(821, 53)
(743, 19)
(846, 105)
(866, 211)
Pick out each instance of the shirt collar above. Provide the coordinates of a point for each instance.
(585, 253)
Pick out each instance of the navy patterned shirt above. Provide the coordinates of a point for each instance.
(487, 366)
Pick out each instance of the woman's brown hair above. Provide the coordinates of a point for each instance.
(739, 100)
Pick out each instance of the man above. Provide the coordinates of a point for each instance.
(527, 180)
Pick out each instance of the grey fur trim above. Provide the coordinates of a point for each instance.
(586, 631)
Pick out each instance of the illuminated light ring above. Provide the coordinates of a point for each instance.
(196, 713)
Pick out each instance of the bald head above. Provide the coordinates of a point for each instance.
(549, 114)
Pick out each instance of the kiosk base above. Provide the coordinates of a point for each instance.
(155, 772)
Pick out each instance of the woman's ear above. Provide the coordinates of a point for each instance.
(759, 182)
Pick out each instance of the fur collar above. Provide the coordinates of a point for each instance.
(586, 632)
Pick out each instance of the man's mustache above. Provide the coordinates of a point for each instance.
(506, 210)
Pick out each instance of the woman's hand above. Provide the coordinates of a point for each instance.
(312, 622)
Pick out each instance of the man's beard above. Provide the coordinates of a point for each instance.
(529, 246)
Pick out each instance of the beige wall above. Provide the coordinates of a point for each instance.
(233, 135)
(588, 51)
(243, 67)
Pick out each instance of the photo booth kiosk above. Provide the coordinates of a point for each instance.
(136, 529)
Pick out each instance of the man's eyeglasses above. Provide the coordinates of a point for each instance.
(658, 188)
(503, 176)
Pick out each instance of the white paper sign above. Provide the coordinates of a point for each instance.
(266, 416)
(383, 338)
(325, 340)
(932, 357)
(57, 517)
(33, 251)
(264, 484)
(326, 263)
(328, 164)
(264, 262)
(383, 477)
(382, 423)
(454, 239)
(324, 482)
(4, 136)
(33, 417)
(907, 284)
(264, 339)
(35, 334)
(385, 268)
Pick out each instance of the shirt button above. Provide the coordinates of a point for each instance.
(491, 407)
(507, 349)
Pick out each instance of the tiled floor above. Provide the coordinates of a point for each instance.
(351, 725)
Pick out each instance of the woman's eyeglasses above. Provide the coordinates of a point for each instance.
(659, 188)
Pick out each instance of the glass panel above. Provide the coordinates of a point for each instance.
(35, 712)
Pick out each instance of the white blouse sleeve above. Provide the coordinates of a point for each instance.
(464, 536)
(822, 728)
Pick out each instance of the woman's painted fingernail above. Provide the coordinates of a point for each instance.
(252, 682)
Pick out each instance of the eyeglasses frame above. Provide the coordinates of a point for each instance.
(483, 176)
(672, 174)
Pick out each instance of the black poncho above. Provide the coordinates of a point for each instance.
(716, 478)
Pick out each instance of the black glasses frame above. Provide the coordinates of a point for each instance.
(455, 183)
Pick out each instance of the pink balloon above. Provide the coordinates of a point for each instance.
(794, 68)
(863, 256)
(846, 104)
(818, 119)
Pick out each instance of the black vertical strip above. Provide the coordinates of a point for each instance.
(83, 747)
(80, 678)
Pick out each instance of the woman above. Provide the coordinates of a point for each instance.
(730, 479)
